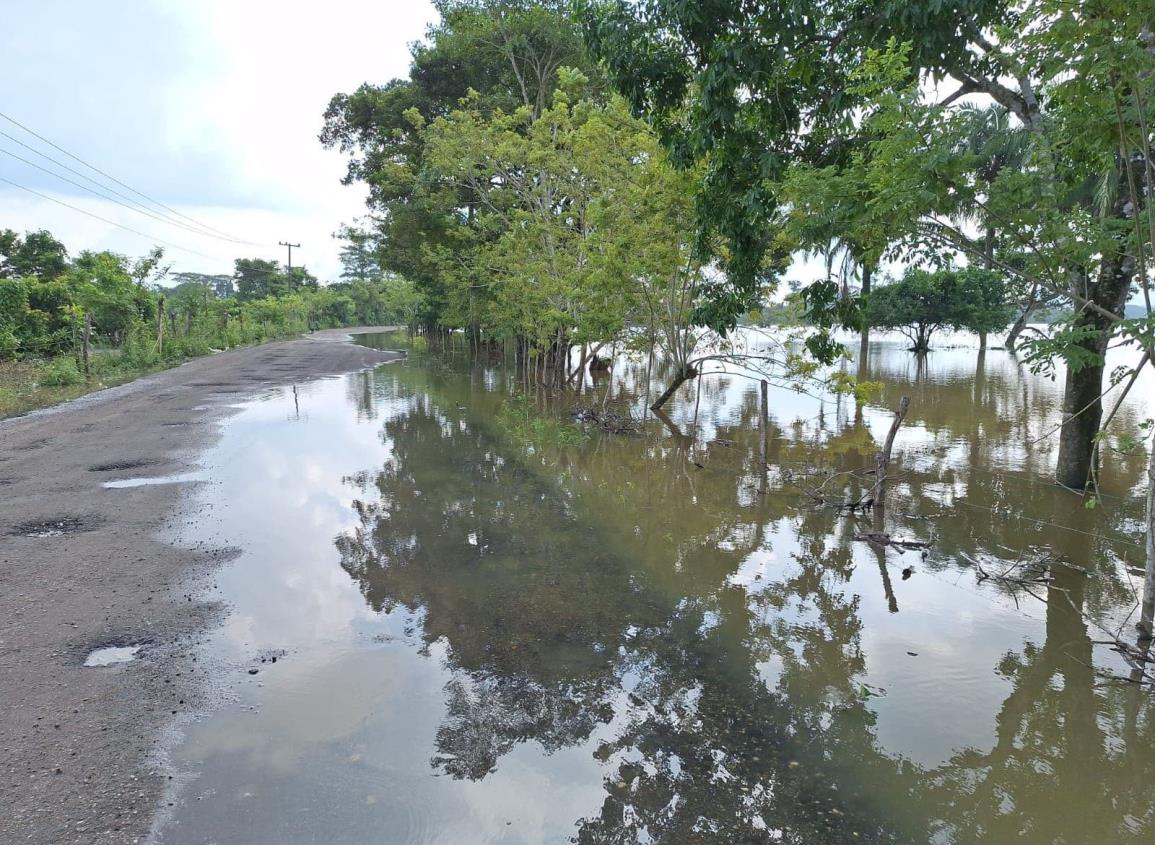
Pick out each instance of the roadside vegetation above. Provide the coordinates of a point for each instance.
(72, 325)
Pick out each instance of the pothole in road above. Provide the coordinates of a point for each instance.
(112, 655)
(135, 463)
(56, 526)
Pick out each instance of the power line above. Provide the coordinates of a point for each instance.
(141, 210)
(136, 204)
(95, 169)
(109, 222)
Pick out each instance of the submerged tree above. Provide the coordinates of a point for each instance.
(753, 87)
(923, 302)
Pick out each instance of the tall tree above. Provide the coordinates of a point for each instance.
(996, 143)
(507, 51)
(358, 254)
(257, 278)
(751, 87)
(35, 254)
(576, 205)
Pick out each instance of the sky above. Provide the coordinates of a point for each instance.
(211, 107)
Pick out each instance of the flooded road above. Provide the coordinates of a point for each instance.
(459, 616)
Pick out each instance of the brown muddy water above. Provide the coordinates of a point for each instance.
(474, 620)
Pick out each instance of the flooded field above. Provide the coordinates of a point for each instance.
(459, 615)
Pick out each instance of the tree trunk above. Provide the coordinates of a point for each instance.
(921, 340)
(864, 339)
(982, 341)
(764, 426)
(160, 325)
(1020, 324)
(87, 337)
(989, 250)
(1082, 413)
(1147, 613)
(681, 377)
(1082, 403)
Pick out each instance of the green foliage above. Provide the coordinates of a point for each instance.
(61, 372)
(523, 423)
(504, 54)
(358, 254)
(576, 212)
(923, 302)
(754, 89)
(45, 318)
(256, 278)
(34, 254)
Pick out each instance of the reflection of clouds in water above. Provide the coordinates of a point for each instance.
(269, 463)
(574, 602)
(315, 699)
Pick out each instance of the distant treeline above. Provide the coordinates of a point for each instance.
(134, 318)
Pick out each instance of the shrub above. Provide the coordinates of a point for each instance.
(60, 372)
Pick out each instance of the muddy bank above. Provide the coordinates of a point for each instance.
(81, 569)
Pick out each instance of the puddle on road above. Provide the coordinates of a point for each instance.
(495, 628)
(177, 478)
(112, 655)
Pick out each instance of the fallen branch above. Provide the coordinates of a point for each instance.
(879, 538)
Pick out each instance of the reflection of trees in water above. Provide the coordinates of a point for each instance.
(551, 631)
(579, 587)
(501, 571)
(488, 714)
(1072, 761)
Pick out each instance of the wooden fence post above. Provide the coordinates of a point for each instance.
(159, 325)
(84, 347)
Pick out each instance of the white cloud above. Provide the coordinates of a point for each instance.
(212, 107)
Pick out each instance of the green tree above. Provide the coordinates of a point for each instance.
(923, 302)
(754, 87)
(258, 278)
(507, 51)
(36, 254)
(584, 226)
(222, 285)
(358, 254)
(1075, 217)
(995, 142)
(102, 284)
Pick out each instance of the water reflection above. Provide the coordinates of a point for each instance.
(568, 636)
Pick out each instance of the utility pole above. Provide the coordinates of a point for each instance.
(291, 247)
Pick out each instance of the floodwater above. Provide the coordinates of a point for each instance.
(474, 620)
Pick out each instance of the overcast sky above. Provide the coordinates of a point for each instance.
(209, 106)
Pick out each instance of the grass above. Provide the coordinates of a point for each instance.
(28, 385)
(38, 383)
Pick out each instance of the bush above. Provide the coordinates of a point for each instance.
(9, 345)
(60, 372)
